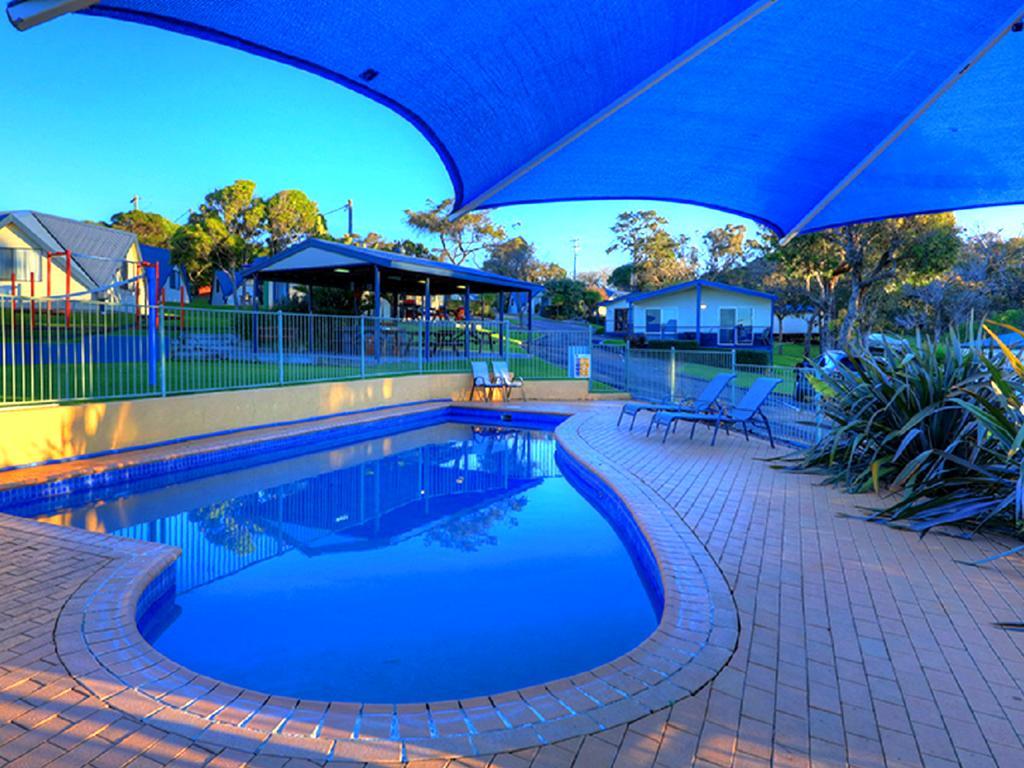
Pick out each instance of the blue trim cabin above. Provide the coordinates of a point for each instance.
(702, 311)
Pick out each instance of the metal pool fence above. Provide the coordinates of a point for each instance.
(56, 351)
(667, 374)
(52, 350)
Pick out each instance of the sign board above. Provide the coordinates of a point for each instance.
(579, 363)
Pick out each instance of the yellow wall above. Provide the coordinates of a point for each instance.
(40, 433)
(12, 237)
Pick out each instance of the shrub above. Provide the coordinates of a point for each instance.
(752, 357)
(985, 483)
(940, 425)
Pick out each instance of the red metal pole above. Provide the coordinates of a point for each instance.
(49, 293)
(32, 298)
(14, 301)
(67, 289)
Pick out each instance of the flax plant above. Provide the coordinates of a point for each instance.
(940, 426)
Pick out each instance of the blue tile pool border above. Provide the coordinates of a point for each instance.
(270, 448)
(697, 635)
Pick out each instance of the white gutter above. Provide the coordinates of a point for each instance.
(31, 13)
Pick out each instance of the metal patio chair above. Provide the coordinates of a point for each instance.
(504, 375)
(483, 380)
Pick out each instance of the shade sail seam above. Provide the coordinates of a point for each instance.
(890, 138)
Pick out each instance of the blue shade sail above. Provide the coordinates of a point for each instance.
(797, 113)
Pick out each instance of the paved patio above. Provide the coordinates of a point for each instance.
(858, 644)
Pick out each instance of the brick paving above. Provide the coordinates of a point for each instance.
(858, 645)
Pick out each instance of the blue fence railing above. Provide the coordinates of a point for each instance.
(51, 351)
(658, 375)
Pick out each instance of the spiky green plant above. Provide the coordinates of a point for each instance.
(891, 412)
(939, 424)
(985, 484)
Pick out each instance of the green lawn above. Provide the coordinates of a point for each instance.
(790, 355)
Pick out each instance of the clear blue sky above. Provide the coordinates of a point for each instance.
(96, 111)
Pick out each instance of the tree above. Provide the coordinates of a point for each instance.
(876, 252)
(657, 259)
(511, 258)
(569, 299)
(813, 260)
(791, 300)
(545, 272)
(150, 228)
(224, 233)
(596, 279)
(237, 206)
(290, 216)
(464, 239)
(622, 277)
(987, 277)
(727, 248)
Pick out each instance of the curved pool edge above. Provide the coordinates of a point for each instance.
(99, 642)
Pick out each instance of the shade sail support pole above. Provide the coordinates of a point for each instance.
(904, 125)
(691, 53)
(32, 13)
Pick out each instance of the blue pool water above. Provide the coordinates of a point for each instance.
(441, 562)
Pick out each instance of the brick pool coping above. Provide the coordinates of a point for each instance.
(98, 641)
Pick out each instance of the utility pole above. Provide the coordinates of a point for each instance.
(348, 207)
(575, 252)
(135, 202)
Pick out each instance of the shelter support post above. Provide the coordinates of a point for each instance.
(255, 316)
(309, 318)
(376, 312)
(468, 315)
(426, 319)
(501, 323)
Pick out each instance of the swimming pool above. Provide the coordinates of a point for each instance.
(441, 562)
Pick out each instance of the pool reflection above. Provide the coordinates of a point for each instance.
(363, 496)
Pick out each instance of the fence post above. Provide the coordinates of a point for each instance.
(163, 352)
(420, 336)
(672, 373)
(732, 384)
(280, 347)
(362, 346)
(625, 366)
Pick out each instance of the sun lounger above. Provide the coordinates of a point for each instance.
(707, 400)
(746, 411)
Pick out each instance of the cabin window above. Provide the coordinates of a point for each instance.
(22, 262)
(621, 320)
(652, 321)
(735, 325)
